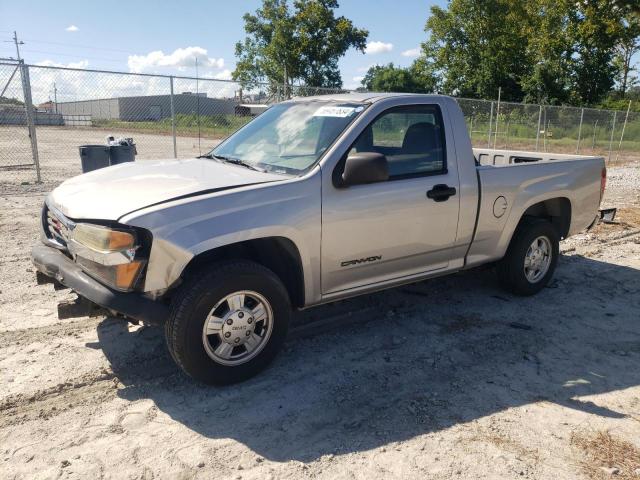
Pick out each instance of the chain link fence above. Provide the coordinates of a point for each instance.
(587, 131)
(16, 148)
(167, 117)
(46, 113)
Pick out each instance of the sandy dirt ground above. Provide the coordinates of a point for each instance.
(446, 379)
(60, 159)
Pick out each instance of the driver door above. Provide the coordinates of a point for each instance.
(391, 229)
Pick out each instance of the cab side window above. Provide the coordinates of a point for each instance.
(412, 139)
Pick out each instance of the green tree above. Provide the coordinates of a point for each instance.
(479, 46)
(596, 29)
(549, 49)
(10, 101)
(628, 46)
(632, 6)
(300, 45)
(388, 78)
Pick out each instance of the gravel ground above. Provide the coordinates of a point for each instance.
(60, 159)
(450, 378)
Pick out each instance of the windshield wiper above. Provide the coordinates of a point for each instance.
(234, 161)
(242, 163)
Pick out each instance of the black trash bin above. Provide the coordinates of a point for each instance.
(116, 151)
(94, 157)
(122, 153)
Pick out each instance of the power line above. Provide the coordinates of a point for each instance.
(75, 45)
(29, 50)
(16, 42)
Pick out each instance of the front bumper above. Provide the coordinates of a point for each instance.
(54, 264)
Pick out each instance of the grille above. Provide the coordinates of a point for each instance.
(55, 228)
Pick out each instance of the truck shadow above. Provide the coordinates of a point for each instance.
(428, 356)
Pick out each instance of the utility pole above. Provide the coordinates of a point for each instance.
(18, 43)
(55, 96)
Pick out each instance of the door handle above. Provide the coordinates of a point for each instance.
(441, 193)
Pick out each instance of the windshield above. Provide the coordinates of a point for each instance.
(288, 138)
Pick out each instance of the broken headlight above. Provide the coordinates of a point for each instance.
(108, 254)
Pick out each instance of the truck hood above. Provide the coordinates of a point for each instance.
(110, 193)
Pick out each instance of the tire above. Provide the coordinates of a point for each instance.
(511, 270)
(233, 299)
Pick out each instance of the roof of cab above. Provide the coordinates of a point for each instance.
(359, 97)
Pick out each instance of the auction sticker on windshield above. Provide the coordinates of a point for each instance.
(331, 111)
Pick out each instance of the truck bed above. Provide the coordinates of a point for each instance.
(520, 179)
(489, 156)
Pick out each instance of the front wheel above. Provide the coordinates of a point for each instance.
(227, 324)
(531, 258)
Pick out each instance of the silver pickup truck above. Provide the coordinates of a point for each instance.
(315, 200)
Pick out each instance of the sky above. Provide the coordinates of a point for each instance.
(166, 37)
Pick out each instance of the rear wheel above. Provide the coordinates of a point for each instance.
(531, 258)
(227, 324)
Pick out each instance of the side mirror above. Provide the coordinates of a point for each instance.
(365, 167)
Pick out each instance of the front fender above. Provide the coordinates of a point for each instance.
(185, 228)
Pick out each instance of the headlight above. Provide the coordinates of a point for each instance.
(107, 254)
(103, 239)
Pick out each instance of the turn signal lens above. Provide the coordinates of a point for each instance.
(120, 240)
(121, 277)
(126, 274)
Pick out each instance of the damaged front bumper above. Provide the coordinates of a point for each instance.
(61, 270)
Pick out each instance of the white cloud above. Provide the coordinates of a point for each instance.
(354, 83)
(180, 58)
(413, 52)
(72, 28)
(74, 86)
(223, 75)
(374, 48)
(78, 85)
(51, 63)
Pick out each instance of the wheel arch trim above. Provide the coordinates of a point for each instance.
(279, 253)
(546, 207)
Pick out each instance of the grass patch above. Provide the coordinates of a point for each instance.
(602, 452)
(560, 135)
(522, 137)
